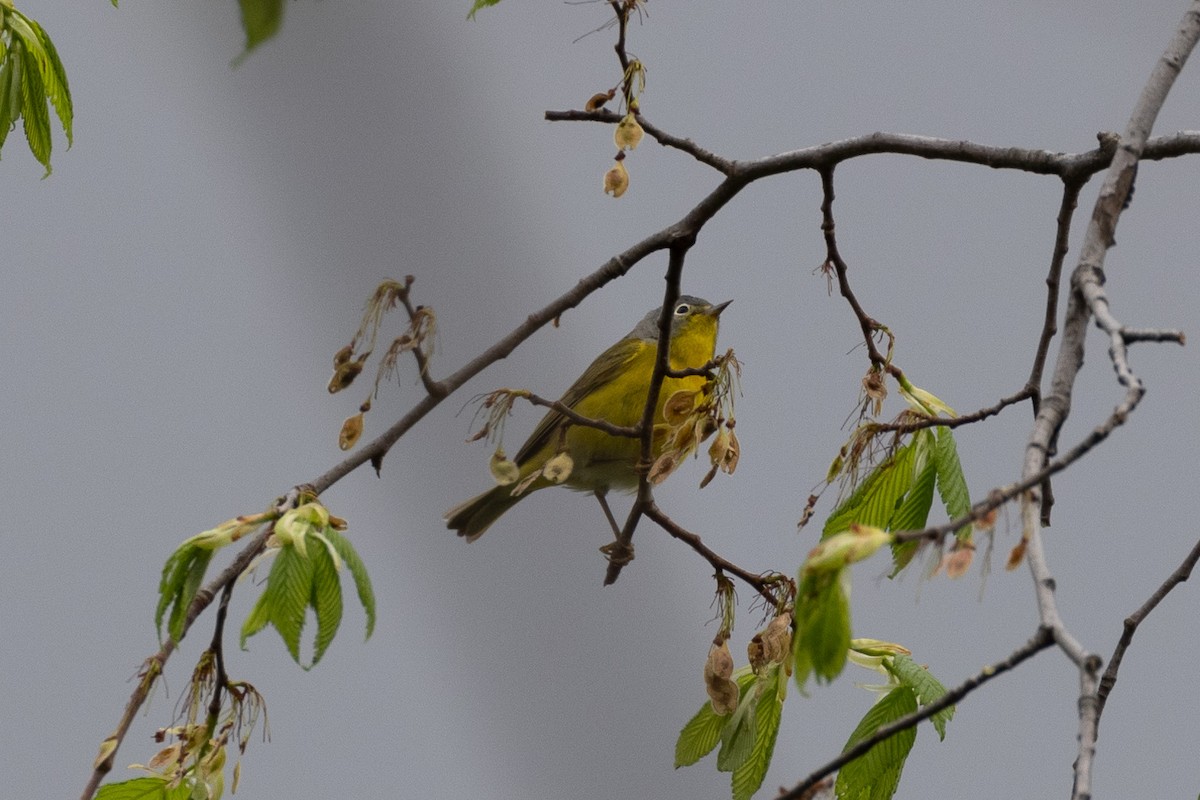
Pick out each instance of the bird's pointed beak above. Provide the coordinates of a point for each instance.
(715, 311)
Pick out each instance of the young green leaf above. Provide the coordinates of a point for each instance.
(182, 576)
(771, 691)
(703, 732)
(951, 483)
(326, 600)
(480, 4)
(822, 636)
(54, 77)
(284, 602)
(737, 737)
(874, 501)
(913, 514)
(260, 20)
(150, 787)
(927, 688)
(876, 774)
(358, 571)
(35, 114)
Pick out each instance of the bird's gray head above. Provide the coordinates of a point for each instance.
(686, 306)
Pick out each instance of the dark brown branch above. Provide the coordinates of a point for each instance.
(759, 582)
(833, 259)
(1109, 679)
(1040, 641)
(431, 386)
(620, 552)
(579, 419)
(910, 425)
(684, 145)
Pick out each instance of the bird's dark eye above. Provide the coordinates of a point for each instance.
(682, 309)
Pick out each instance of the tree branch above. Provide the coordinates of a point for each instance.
(1040, 641)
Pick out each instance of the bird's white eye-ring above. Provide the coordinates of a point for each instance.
(682, 309)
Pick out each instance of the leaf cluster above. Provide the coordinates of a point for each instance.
(31, 77)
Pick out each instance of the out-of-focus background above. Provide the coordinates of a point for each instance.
(173, 293)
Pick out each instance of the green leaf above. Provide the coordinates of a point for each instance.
(480, 4)
(182, 575)
(927, 688)
(699, 736)
(703, 731)
(17, 55)
(358, 570)
(54, 77)
(875, 500)
(876, 774)
(10, 62)
(326, 600)
(144, 788)
(260, 20)
(284, 602)
(822, 636)
(749, 775)
(951, 483)
(913, 514)
(36, 115)
(737, 737)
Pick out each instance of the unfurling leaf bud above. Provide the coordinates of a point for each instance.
(504, 469)
(352, 429)
(616, 180)
(558, 469)
(718, 667)
(628, 133)
(845, 548)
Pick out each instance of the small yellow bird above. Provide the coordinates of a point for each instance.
(613, 389)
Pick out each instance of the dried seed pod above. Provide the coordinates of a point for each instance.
(352, 429)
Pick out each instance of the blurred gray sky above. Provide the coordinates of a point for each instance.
(174, 292)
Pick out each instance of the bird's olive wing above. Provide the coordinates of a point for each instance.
(602, 371)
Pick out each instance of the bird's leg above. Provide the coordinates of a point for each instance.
(612, 521)
(615, 551)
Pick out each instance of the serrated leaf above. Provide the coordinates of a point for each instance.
(822, 637)
(54, 77)
(36, 115)
(5, 77)
(182, 576)
(876, 774)
(913, 514)
(284, 602)
(144, 788)
(17, 58)
(737, 737)
(875, 500)
(358, 570)
(326, 601)
(928, 689)
(702, 733)
(749, 775)
(478, 4)
(951, 483)
(260, 21)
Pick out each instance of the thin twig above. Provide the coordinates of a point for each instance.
(1109, 679)
(756, 581)
(1040, 641)
(631, 431)
(620, 552)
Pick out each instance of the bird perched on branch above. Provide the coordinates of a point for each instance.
(612, 389)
